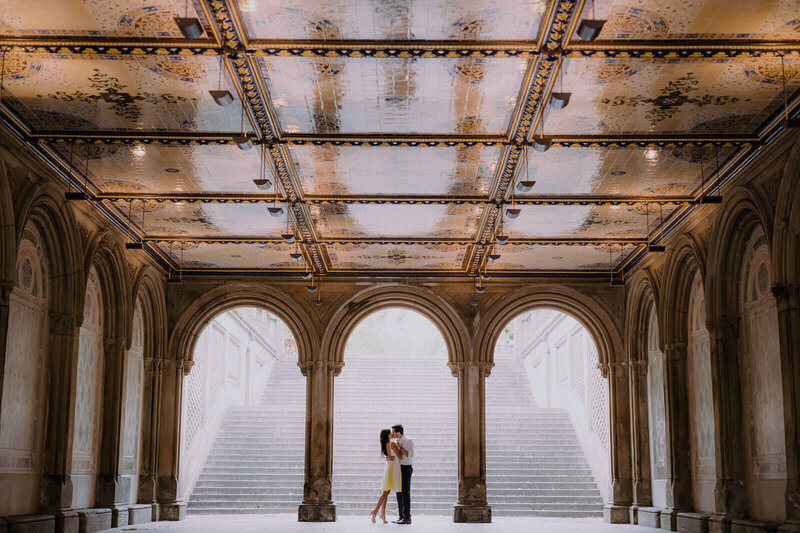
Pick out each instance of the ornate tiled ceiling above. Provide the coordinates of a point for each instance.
(392, 134)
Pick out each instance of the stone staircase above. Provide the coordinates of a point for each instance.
(535, 465)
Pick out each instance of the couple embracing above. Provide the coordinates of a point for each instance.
(399, 453)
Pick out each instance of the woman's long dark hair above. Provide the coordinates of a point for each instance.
(384, 440)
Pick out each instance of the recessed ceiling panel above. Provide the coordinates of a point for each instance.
(118, 93)
(699, 19)
(408, 20)
(231, 255)
(396, 221)
(93, 18)
(550, 257)
(167, 169)
(393, 95)
(203, 219)
(646, 96)
(587, 222)
(633, 171)
(361, 256)
(368, 170)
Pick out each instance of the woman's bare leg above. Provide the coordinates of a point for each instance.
(376, 509)
(383, 506)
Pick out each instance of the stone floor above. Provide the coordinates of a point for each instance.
(285, 523)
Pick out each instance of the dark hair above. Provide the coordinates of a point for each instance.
(384, 440)
(398, 428)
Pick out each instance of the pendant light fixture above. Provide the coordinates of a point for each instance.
(706, 198)
(312, 288)
(480, 289)
(513, 211)
(541, 144)
(619, 280)
(500, 238)
(135, 245)
(560, 100)
(527, 184)
(221, 96)
(787, 121)
(650, 246)
(275, 210)
(261, 181)
(79, 195)
(190, 27)
(589, 29)
(288, 237)
(243, 141)
(492, 257)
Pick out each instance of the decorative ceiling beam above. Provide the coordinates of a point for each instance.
(109, 46)
(208, 239)
(682, 49)
(236, 198)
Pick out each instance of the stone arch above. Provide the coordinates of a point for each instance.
(147, 287)
(686, 257)
(431, 306)
(587, 310)
(198, 314)
(786, 238)
(7, 232)
(642, 296)
(106, 254)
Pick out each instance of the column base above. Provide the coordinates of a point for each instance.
(29, 523)
(616, 514)
(669, 519)
(119, 515)
(472, 514)
(649, 517)
(792, 526)
(67, 521)
(741, 525)
(316, 512)
(92, 520)
(693, 523)
(173, 511)
(140, 513)
(719, 523)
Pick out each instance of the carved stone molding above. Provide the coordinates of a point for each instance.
(65, 324)
(185, 366)
(335, 366)
(484, 367)
(614, 369)
(6, 286)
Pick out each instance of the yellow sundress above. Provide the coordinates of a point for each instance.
(392, 480)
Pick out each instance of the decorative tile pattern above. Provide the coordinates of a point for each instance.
(393, 95)
(233, 255)
(396, 256)
(393, 20)
(395, 171)
(645, 96)
(119, 93)
(548, 257)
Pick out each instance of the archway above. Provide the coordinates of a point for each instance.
(243, 417)
(395, 373)
(547, 420)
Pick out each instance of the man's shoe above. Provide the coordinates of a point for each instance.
(405, 521)
(399, 521)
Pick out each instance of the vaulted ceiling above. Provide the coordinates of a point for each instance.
(394, 132)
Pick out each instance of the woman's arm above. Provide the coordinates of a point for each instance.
(395, 450)
(389, 455)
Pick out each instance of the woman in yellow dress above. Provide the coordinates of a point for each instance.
(391, 476)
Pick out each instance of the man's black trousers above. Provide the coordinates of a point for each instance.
(404, 498)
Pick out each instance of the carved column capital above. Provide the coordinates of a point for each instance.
(614, 369)
(676, 351)
(484, 367)
(6, 286)
(787, 297)
(64, 323)
(329, 366)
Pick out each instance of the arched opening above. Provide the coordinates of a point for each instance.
(547, 420)
(395, 373)
(243, 417)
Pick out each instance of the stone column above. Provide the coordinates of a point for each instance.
(112, 492)
(640, 438)
(729, 493)
(151, 402)
(617, 510)
(5, 294)
(471, 505)
(57, 487)
(317, 503)
(788, 300)
(168, 490)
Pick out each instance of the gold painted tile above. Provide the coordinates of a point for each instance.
(118, 93)
(393, 95)
(632, 171)
(555, 258)
(697, 19)
(118, 168)
(408, 20)
(203, 219)
(643, 96)
(92, 18)
(587, 222)
(231, 255)
(359, 256)
(396, 221)
(393, 171)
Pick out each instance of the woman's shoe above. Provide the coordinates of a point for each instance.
(372, 516)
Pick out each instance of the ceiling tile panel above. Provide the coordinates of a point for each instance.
(167, 169)
(585, 222)
(334, 221)
(118, 93)
(408, 20)
(393, 95)
(203, 219)
(92, 18)
(360, 256)
(549, 257)
(698, 19)
(632, 171)
(652, 96)
(231, 255)
(366, 170)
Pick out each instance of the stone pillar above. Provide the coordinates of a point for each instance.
(5, 294)
(788, 300)
(151, 408)
(617, 510)
(729, 493)
(640, 438)
(317, 503)
(112, 492)
(679, 483)
(168, 490)
(57, 490)
(471, 505)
